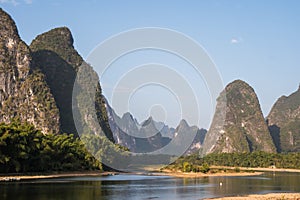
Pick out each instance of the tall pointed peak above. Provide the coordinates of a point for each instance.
(127, 116)
(58, 41)
(8, 29)
(183, 123)
(238, 84)
(238, 124)
(55, 38)
(147, 121)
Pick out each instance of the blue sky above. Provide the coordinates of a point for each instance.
(256, 41)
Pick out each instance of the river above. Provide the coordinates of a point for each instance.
(131, 187)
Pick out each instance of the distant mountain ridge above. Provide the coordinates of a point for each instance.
(150, 135)
(126, 129)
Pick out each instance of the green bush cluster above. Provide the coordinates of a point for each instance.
(25, 149)
(254, 159)
(107, 152)
(190, 167)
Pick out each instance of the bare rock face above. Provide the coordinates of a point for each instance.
(284, 123)
(243, 128)
(24, 94)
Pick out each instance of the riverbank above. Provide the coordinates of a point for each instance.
(21, 177)
(221, 171)
(271, 196)
(199, 174)
(259, 169)
(10, 177)
(227, 171)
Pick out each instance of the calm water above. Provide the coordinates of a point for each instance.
(147, 187)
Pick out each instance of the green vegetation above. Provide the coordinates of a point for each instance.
(25, 94)
(255, 159)
(25, 149)
(243, 127)
(107, 152)
(33, 102)
(284, 123)
(54, 55)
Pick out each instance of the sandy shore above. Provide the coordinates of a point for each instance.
(8, 177)
(198, 174)
(271, 196)
(244, 171)
(257, 169)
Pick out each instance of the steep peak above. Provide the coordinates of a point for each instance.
(147, 121)
(235, 91)
(57, 42)
(238, 81)
(238, 84)
(55, 38)
(8, 30)
(183, 123)
(238, 124)
(127, 116)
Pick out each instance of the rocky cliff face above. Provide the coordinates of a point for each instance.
(284, 123)
(36, 83)
(244, 128)
(24, 94)
(54, 54)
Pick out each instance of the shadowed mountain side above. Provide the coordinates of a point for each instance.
(60, 77)
(275, 134)
(284, 122)
(56, 57)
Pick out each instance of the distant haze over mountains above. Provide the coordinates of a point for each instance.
(150, 135)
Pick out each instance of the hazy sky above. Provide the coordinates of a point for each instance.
(256, 41)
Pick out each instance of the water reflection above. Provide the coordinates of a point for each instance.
(148, 187)
(266, 183)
